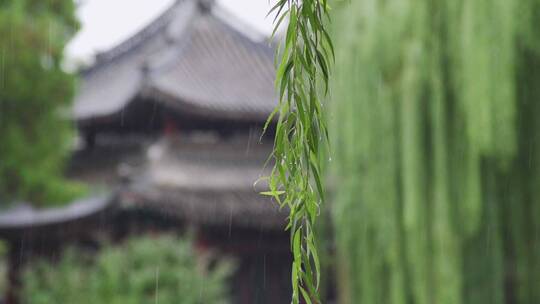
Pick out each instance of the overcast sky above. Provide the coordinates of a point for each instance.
(108, 22)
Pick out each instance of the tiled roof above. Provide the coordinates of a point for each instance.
(215, 208)
(189, 58)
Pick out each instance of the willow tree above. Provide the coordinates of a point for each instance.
(35, 95)
(435, 129)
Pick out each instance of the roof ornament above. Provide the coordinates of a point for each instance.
(145, 69)
(206, 5)
(100, 56)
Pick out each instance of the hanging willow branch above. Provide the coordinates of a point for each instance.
(436, 146)
(295, 182)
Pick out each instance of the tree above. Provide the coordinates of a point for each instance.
(435, 136)
(35, 96)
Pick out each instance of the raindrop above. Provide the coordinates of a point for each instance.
(230, 222)
(2, 75)
(157, 285)
(264, 271)
(530, 154)
(153, 115)
(250, 135)
(2, 68)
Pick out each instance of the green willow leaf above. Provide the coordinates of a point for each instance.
(302, 67)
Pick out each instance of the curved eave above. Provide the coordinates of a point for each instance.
(118, 75)
(195, 108)
(17, 222)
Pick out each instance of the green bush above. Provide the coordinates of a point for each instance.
(161, 270)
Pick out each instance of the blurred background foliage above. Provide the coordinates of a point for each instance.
(147, 269)
(435, 130)
(35, 97)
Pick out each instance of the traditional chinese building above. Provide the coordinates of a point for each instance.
(173, 117)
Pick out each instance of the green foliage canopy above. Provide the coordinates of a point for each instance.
(35, 96)
(161, 270)
(435, 129)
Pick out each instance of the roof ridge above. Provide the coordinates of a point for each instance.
(136, 39)
(223, 16)
(155, 64)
